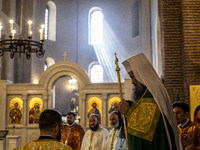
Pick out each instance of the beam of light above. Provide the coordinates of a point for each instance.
(105, 54)
(97, 74)
(105, 63)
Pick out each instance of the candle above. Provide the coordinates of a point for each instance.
(29, 28)
(13, 34)
(11, 27)
(42, 26)
(41, 36)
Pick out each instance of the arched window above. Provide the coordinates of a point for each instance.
(95, 26)
(51, 29)
(46, 22)
(96, 73)
(49, 62)
(45, 66)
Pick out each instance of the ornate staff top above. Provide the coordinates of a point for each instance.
(118, 75)
(120, 91)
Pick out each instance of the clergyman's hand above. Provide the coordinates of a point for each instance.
(123, 107)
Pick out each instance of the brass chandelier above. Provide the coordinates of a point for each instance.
(22, 45)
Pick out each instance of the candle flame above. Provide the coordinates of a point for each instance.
(11, 21)
(30, 22)
(42, 26)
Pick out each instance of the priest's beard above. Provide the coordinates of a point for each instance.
(138, 91)
(94, 128)
(116, 125)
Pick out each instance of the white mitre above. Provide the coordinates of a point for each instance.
(145, 73)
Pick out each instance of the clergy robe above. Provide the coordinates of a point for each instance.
(112, 139)
(190, 134)
(145, 126)
(75, 136)
(121, 142)
(145, 73)
(44, 143)
(95, 140)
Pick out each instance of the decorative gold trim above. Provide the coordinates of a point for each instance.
(143, 118)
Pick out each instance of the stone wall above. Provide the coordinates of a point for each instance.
(191, 44)
(180, 22)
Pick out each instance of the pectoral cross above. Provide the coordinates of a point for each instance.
(90, 147)
(120, 147)
(111, 147)
(91, 138)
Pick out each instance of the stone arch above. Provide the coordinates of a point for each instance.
(58, 70)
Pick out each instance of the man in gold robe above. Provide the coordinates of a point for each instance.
(150, 121)
(189, 131)
(50, 122)
(73, 133)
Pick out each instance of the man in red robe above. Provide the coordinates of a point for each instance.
(73, 133)
(188, 131)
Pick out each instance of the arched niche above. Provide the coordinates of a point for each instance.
(60, 69)
(35, 108)
(94, 110)
(113, 105)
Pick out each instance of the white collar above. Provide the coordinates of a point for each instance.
(183, 125)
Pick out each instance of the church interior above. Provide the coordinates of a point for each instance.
(75, 65)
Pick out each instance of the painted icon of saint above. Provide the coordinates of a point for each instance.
(15, 114)
(34, 114)
(95, 110)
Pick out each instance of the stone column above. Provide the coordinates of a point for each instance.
(25, 108)
(13, 141)
(48, 103)
(24, 135)
(3, 104)
(3, 143)
(83, 114)
(104, 110)
(82, 108)
(45, 99)
(25, 118)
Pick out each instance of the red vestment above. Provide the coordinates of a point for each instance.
(190, 135)
(75, 137)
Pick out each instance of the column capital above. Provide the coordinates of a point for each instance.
(104, 96)
(24, 97)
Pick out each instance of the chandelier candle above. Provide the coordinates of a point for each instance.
(11, 27)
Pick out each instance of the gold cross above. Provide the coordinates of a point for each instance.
(120, 147)
(64, 55)
(90, 147)
(111, 147)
